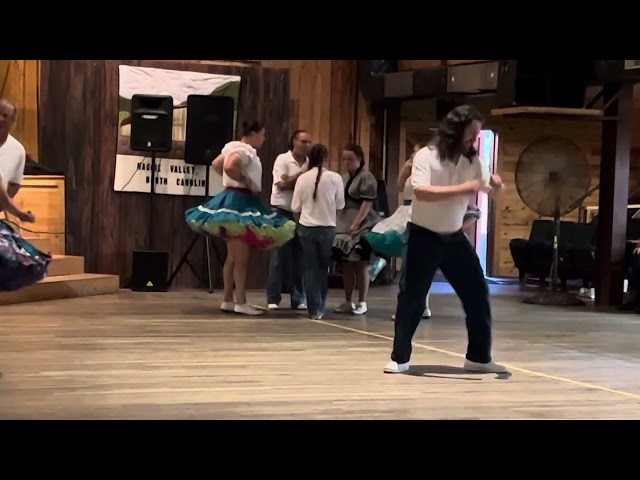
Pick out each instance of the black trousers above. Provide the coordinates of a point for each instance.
(456, 258)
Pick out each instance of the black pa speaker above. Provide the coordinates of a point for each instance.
(149, 271)
(151, 123)
(209, 127)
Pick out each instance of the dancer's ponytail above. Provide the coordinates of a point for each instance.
(317, 157)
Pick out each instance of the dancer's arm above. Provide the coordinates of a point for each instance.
(218, 164)
(7, 205)
(340, 202)
(296, 203)
(491, 184)
(405, 173)
(421, 181)
(281, 179)
(233, 169)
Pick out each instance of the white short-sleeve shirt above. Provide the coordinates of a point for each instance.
(320, 212)
(285, 164)
(12, 161)
(444, 216)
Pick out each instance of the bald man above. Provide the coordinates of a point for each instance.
(12, 153)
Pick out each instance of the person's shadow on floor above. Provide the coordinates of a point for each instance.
(447, 371)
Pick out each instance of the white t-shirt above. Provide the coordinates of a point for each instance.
(329, 199)
(444, 216)
(12, 160)
(285, 164)
(251, 165)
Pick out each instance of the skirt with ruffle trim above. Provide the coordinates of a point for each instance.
(388, 238)
(238, 214)
(21, 263)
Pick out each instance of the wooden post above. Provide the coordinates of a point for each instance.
(614, 187)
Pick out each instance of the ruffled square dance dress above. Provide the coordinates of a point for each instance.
(21, 263)
(237, 213)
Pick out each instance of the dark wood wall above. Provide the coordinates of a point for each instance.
(78, 135)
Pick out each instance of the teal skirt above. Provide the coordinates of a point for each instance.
(388, 244)
(236, 213)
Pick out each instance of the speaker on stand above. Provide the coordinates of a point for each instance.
(210, 127)
(151, 131)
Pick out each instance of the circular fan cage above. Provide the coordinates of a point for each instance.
(552, 179)
(552, 175)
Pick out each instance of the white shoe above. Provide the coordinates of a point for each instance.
(346, 307)
(395, 367)
(361, 308)
(227, 306)
(302, 306)
(245, 309)
(484, 367)
(273, 306)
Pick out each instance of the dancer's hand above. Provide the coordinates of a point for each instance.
(472, 186)
(496, 182)
(27, 217)
(351, 229)
(255, 189)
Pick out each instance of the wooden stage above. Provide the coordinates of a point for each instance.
(176, 356)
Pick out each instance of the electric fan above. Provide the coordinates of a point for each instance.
(552, 178)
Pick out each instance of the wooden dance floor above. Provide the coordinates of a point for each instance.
(176, 356)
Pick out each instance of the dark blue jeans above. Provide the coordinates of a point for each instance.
(458, 261)
(286, 269)
(317, 245)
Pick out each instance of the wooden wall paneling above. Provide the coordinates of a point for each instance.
(322, 99)
(19, 83)
(106, 226)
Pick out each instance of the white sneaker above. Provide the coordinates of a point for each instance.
(484, 367)
(273, 306)
(395, 367)
(227, 306)
(361, 308)
(346, 307)
(245, 309)
(302, 306)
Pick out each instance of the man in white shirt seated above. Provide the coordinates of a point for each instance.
(12, 153)
(286, 266)
(444, 177)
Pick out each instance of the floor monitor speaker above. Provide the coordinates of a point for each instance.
(210, 124)
(151, 123)
(149, 271)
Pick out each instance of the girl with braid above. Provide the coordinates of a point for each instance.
(317, 198)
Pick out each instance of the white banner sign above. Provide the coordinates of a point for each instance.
(172, 177)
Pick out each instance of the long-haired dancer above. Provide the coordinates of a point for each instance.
(444, 178)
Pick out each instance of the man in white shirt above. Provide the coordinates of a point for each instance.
(317, 198)
(12, 153)
(443, 178)
(286, 267)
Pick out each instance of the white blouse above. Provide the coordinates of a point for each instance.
(251, 165)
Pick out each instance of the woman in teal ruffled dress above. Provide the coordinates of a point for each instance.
(239, 216)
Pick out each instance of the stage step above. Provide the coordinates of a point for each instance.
(66, 265)
(64, 286)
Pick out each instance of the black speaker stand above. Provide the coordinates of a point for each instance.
(207, 246)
